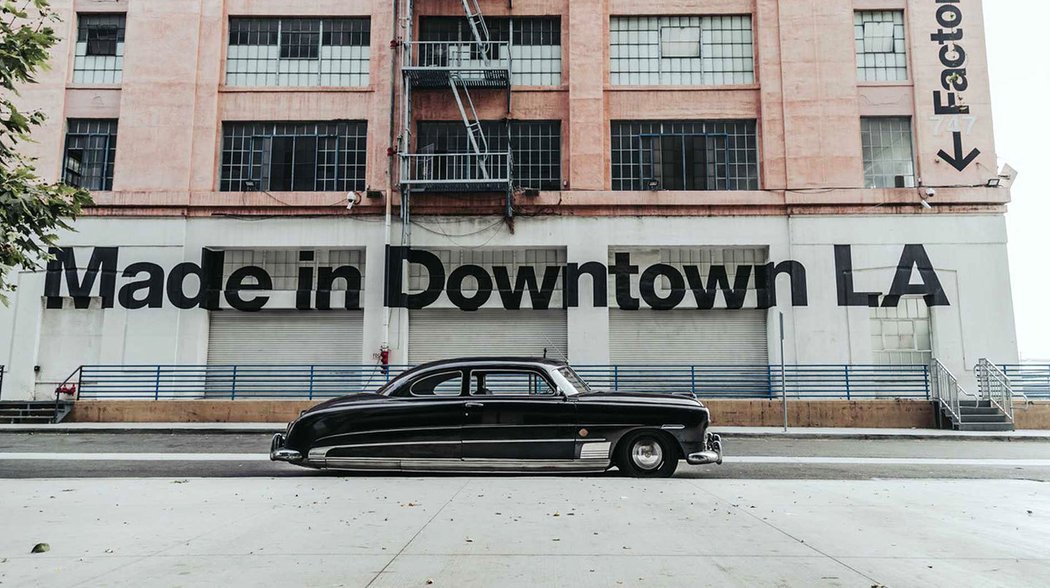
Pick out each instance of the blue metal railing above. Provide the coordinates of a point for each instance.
(846, 382)
(1030, 379)
(167, 382)
(172, 382)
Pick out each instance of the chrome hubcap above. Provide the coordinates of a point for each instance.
(647, 454)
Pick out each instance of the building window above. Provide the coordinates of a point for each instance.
(293, 157)
(535, 147)
(881, 52)
(283, 265)
(534, 44)
(889, 161)
(684, 155)
(681, 50)
(91, 148)
(298, 52)
(99, 52)
(902, 335)
(512, 259)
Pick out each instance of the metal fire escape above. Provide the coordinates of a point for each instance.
(459, 66)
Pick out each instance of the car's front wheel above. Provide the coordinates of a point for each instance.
(647, 455)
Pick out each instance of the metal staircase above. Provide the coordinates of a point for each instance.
(13, 412)
(460, 66)
(991, 409)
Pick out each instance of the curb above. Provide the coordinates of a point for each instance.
(727, 432)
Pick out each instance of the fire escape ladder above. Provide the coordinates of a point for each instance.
(476, 21)
(475, 135)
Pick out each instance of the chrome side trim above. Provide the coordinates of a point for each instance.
(595, 450)
(672, 427)
(463, 465)
(471, 442)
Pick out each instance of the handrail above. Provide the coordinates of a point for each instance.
(849, 382)
(458, 55)
(68, 388)
(456, 168)
(994, 385)
(1030, 381)
(946, 389)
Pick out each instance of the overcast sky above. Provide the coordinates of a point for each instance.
(1021, 105)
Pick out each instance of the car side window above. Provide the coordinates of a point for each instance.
(509, 383)
(443, 384)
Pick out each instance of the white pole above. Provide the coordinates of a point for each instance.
(783, 374)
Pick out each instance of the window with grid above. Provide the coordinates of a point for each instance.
(881, 52)
(902, 335)
(293, 157)
(535, 44)
(700, 257)
(91, 148)
(535, 146)
(681, 50)
(283, 264)
(685, 155)
(889, 160)
(99, 52)
(512, 259)
(298, 52)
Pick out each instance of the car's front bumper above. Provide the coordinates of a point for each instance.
(712, 452)
(278, 452)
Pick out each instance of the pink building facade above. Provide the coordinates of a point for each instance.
(608, 181)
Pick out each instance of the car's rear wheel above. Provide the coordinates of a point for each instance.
(647, 455)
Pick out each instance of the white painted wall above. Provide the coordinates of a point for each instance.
(969, 253)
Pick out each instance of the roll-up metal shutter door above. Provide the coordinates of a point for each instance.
(688, 337)
(285, 337)
(447, 333)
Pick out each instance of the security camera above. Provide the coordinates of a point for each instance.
(930, 192)
(352, 198)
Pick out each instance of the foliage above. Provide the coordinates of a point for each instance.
(32, 211)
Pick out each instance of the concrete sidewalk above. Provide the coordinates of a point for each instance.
(729, 432)
(524, 531)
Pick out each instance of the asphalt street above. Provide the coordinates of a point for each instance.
(93, 455)
(193, 509)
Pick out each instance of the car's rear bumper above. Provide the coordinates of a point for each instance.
(278, 452)
(712, 452)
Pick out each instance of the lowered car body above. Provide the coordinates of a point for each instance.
(500, 414)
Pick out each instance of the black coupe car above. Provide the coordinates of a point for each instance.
(500, 414)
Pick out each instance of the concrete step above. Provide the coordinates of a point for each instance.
(32, 420)
(968, 410)
(985, 418)
(975, 403)
(27, 411)
(986, 427)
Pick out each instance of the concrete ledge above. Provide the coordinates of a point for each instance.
(834, 414)
(187, 411)
(1032, 415)
(868, 414)
(897, 414)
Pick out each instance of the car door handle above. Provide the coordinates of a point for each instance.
(474, 404)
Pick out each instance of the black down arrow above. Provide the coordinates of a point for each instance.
(957, 160)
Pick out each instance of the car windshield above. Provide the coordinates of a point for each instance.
(574, 379)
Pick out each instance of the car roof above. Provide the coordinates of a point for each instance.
(471, 361)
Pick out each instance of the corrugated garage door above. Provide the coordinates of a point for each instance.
(285, 337)
(688, 337)
(446, 333)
